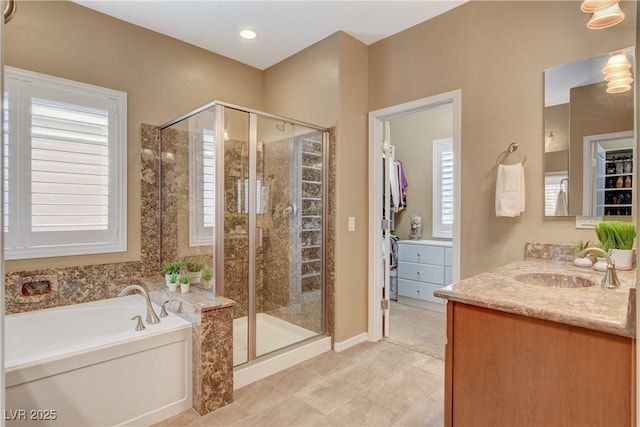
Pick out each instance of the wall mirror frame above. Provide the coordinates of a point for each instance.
(589, 141)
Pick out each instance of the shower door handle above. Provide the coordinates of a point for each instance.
(290, 210)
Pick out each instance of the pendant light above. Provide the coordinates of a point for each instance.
(618, 72)
(606, 13)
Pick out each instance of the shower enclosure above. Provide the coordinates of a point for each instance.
(244, 193)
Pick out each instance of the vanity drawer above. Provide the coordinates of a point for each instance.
(421, 254)
(417, 290)
(448, 275)
(448, 257)
(421, 272)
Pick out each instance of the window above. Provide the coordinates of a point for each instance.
(202, 192)
(443, 188)
(552, 186)
(65, 167)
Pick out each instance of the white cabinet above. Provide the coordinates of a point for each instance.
(423, 267)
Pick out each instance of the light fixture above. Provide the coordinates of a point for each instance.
(606, 17)
(248, 34)
(591, 6)
(551, 139)
(618, 72)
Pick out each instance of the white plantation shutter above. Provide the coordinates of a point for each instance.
(65, 192)
(202, 186)
(443, 188)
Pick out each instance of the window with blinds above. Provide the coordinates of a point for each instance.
(443, 188)
(202, 187)
(65, 167)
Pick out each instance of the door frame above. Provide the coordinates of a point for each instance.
(376, 121)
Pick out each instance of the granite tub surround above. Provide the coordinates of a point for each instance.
(69, 285)
(605, 310)
(212, 334)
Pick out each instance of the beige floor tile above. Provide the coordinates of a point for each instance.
(327, 363)
(406, 388)
(188, 418)
(428, 413)
(272, 390)
(339, 388)
(291, 412)
(390, 361)
(431, 365)
(359, 412)
(229, 415)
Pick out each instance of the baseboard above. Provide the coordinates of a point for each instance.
(350, 342)
(427, 305)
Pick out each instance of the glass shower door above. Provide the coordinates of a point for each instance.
(289, 231)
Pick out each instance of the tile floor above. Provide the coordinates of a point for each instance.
(372, 384)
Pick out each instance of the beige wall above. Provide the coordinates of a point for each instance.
(593, 112)
(326, 84)
(413, 136)
(164, 78)
(556, 120)
(496, 53)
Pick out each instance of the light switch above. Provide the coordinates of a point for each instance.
(352, 223)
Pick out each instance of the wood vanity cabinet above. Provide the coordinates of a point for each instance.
(503, 369)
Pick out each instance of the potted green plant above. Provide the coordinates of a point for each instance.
(617, 238)
(195, 269)
(207, 276)
(236, 222)
(173, 281)
(171, 267)
(185, 282)
(582, 261)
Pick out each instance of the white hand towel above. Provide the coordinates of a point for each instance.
(561, 204)
(510, 190)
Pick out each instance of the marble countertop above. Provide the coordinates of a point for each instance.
(605, 310)
(196, 300)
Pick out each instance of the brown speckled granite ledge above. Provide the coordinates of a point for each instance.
(611, 311)
(212, 335)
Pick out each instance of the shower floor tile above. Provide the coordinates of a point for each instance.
(338, 389)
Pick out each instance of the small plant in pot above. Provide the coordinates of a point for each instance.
(185, 282)
(207, 276)
(170, 268)
(195, 269)
(582, 261)
(617, 238)
(174, 278)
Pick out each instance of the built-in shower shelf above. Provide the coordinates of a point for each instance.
(314, 274)
(311, 216)
(312, 153)
(311, 198)
(304, 181)
(311, 247)
(315, 168)
(306, 261)
(312, 229)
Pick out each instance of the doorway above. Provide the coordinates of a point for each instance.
(405, 281)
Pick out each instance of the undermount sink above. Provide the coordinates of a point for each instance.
(555, 280)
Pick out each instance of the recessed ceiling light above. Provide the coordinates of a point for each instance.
(248, 34)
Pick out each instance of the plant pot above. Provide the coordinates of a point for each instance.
(582, 262)
(172, 287)
(601, 264)
(166, 278)
(206, 285)
(623, 258)
(184, 288)
(196, 277)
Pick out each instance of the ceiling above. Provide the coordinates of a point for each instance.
(284, 27)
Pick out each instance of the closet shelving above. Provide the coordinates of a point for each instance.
(617, 184)
(310, 150)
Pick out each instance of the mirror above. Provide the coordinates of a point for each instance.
(589, 141)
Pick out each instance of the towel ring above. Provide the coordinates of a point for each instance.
(512, 147)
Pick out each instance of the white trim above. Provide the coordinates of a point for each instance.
(350, 342)
(280, 361)
(439, 229)
(376, 118)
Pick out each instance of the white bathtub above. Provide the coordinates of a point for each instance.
(85, 365)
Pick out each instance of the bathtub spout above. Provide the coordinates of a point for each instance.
(152, 317)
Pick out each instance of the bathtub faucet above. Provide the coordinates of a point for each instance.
(152, 317)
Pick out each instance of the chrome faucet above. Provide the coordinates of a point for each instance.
(610, 279)
(152, 317)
